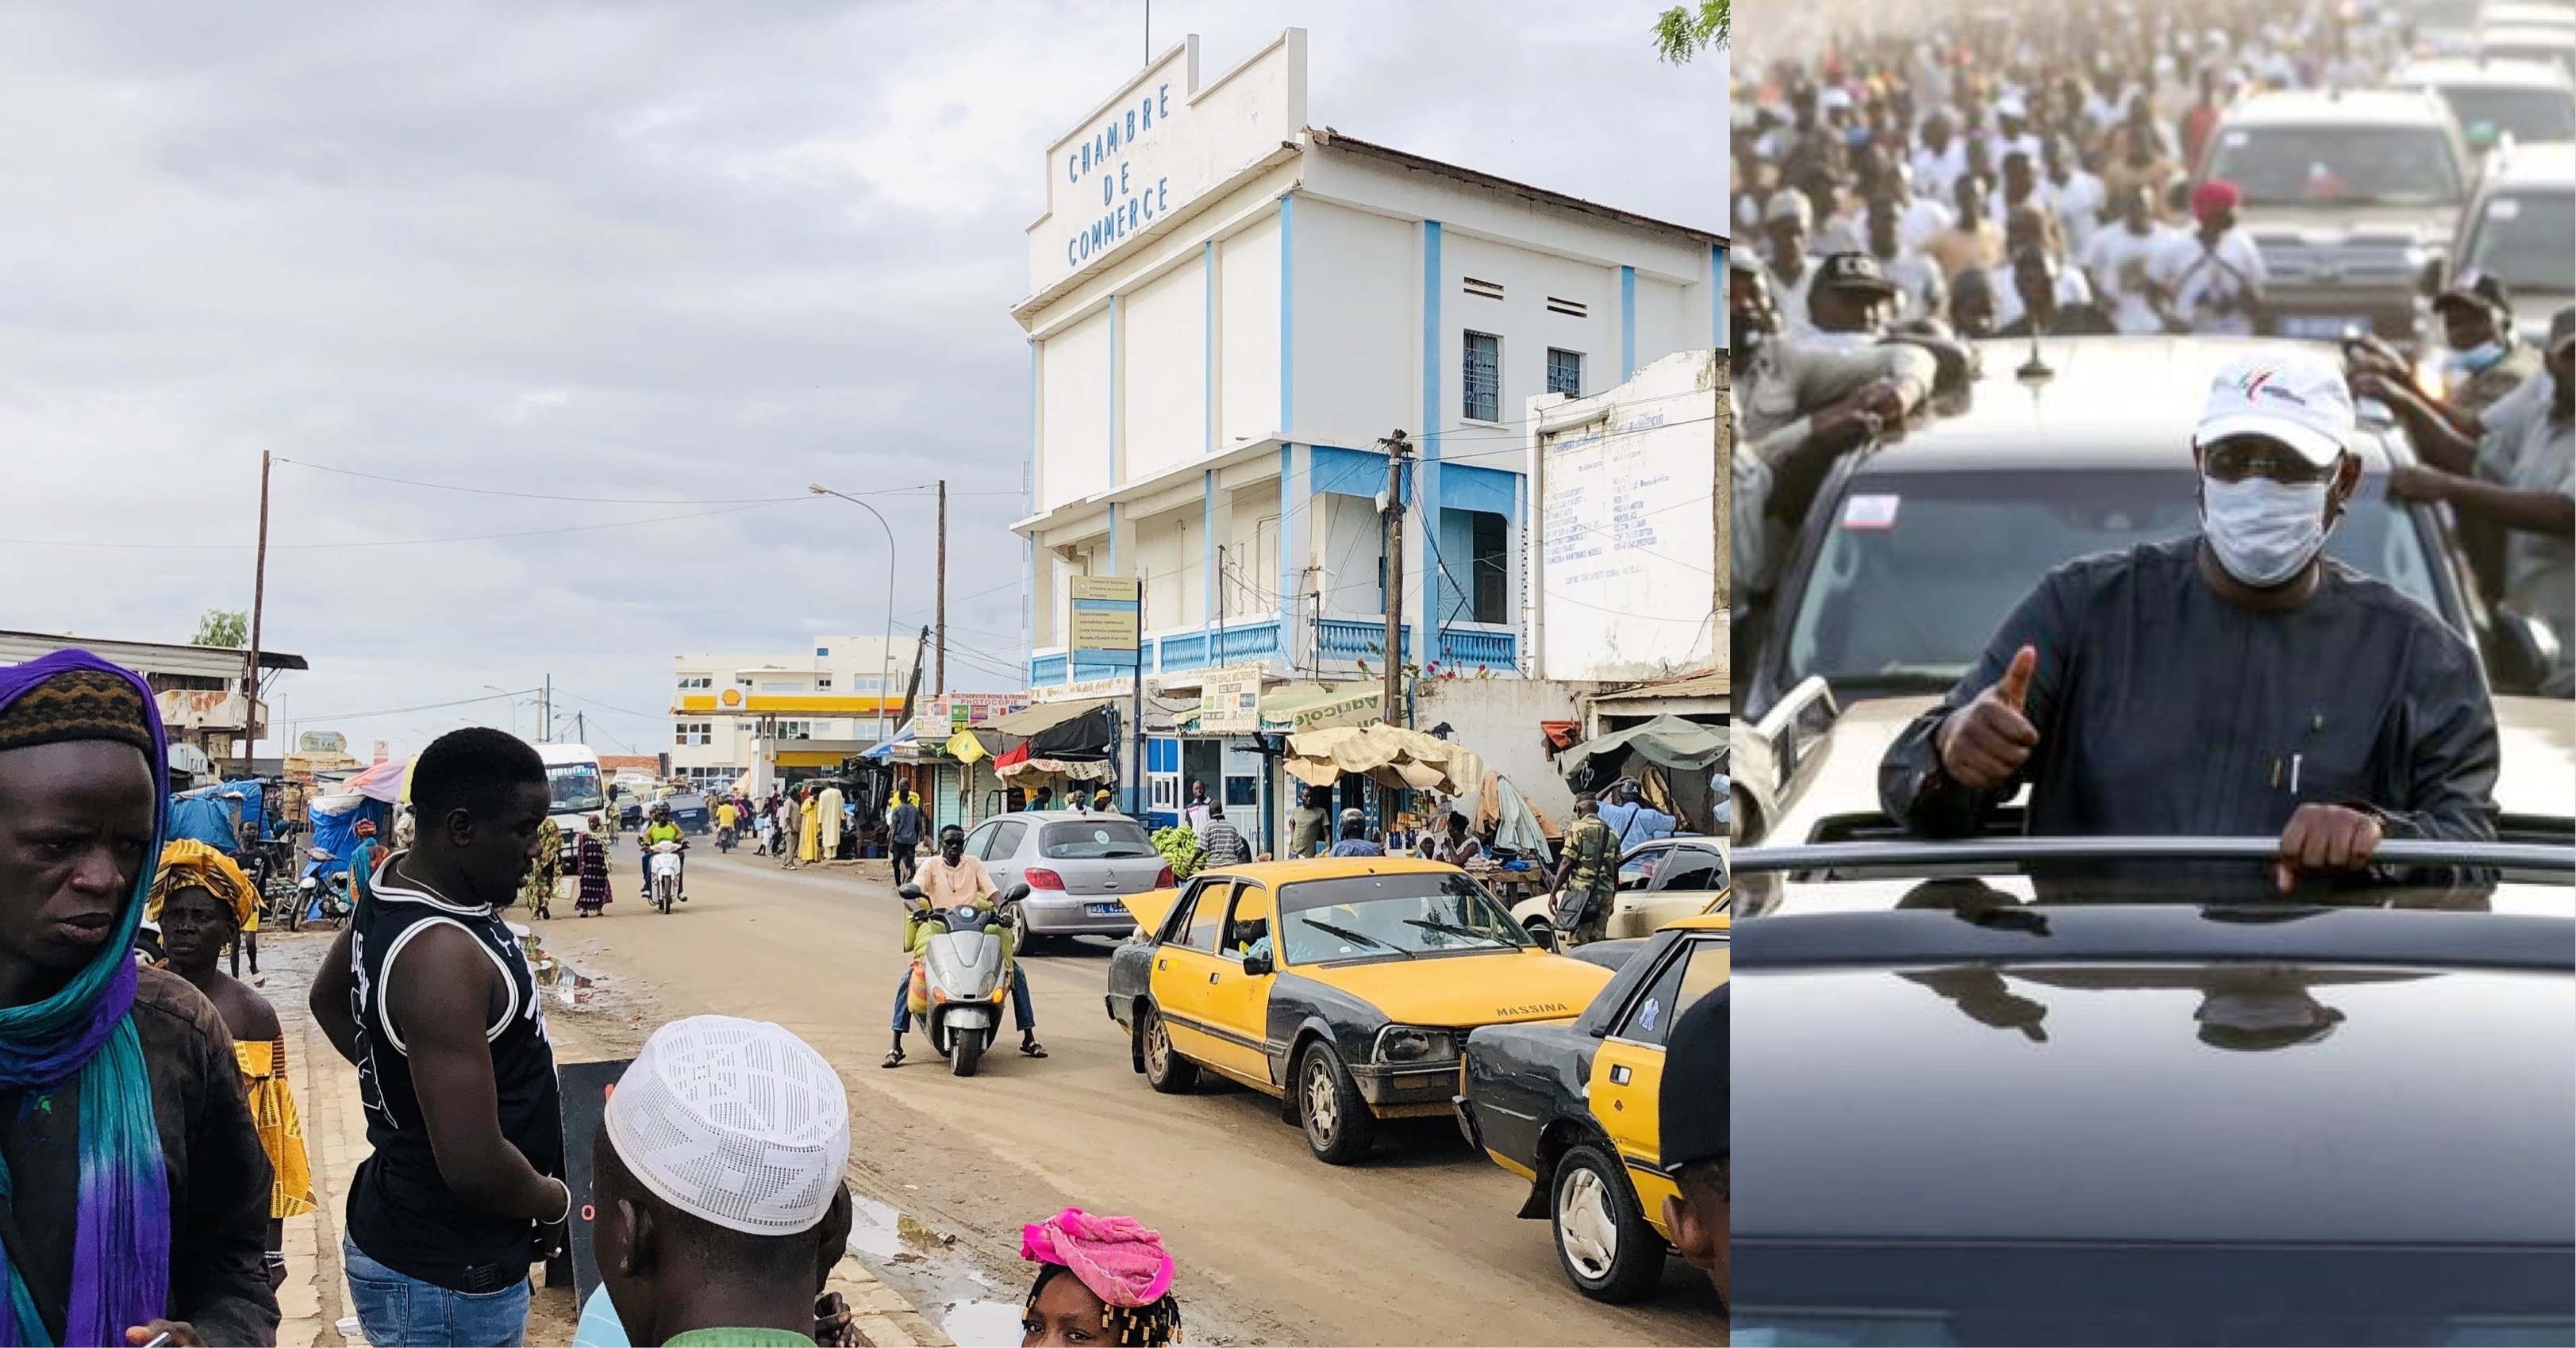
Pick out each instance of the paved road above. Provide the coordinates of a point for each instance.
(1418, 1246)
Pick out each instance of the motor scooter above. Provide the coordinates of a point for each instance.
(724, 838)
(666, 873)
(965, 974)
(317, 899)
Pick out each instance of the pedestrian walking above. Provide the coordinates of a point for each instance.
(1306, 823)
(136, 1183)
(1588, 876)
(1098, 1276)
(1222, 842)
(593, 892)
(202, 900)
(809, 829)
(462, 1190)
(904, 832)
(537, 892)
(717, 1184)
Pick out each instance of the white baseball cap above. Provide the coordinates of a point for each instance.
(735, 1121)
(2286, 393)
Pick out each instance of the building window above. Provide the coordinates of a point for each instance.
(796, 730)
(742, 683)
(1565, 372)
(1484, 377)
(823, 652)
(696, 681)
(1493, 583)
(694, 732)
(824, 682)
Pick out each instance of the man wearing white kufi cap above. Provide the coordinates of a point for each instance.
(717, 1182)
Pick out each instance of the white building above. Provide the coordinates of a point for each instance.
(1230, 308)
(789, 713)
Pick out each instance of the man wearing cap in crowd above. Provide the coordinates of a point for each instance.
(716, 1180)
(2232, 683)
(1692, 1109)
(1787, 219)
(1849, 303)
(2514, 467)
(2211, 280)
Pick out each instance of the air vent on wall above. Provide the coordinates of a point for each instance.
(1492, 290)
(1569, 308)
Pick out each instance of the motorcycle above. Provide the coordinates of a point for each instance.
(966, 977)
(666, 873)
(318, 900)
(724, 838)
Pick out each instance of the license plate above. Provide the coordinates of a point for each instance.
(2322, 325)
(1104, 909)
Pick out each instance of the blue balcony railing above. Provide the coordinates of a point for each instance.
(1046, 670)
(1186, 651)
(1238, 643)
(1343, 639)
(1478, 648)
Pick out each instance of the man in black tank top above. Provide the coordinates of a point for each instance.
(428, 993)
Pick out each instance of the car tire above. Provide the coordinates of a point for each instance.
(1340, 1130)
(1165, 1069)
(1023, 941)
(1541, 931)
(1603, 1242)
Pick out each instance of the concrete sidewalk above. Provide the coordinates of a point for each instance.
(315, 1299)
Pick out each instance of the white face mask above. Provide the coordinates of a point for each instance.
(2263, 531)
(2476, 359)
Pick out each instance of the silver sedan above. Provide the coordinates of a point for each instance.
(1077, 867)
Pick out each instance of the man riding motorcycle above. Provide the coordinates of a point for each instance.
(728, 818)
(662, 830)
(949, 880)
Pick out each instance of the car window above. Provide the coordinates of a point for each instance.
(1694, 868)
(979, 841)
(2349, 165)
(1649, 1018)
(1205, 917)
(1399, 916)
(1005, 841)
(1904, 595)
(1638, 871)
(2523, 238)
(1247, 931)
(2526, 114)
(1094, 839)
(1705, 973)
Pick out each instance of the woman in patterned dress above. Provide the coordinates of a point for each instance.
(590, 859)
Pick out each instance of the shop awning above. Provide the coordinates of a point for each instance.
(1668, 742)
(1385, 754)
(1030, 721)
(1305, 706)
(885, 752)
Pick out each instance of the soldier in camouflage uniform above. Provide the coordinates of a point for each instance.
(1588, 874)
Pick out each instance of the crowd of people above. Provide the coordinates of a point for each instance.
(2045, 171)
(153, 1149)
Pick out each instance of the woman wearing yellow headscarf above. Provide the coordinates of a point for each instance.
(202, 900)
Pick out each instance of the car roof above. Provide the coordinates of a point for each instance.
(2110, 402)
(2470, 71)
(1701, 922)
(1330, 868)
(2527, 35)
(2545, 164)
(2175, 1101)
(1065, 816)
(2304, 107)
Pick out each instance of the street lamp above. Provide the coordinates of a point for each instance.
(885, 671)
(514, 704)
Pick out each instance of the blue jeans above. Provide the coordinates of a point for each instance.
(395, 1309)
(1023, 1017)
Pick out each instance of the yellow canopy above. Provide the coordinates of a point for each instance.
(965, 748)
(1385, 754)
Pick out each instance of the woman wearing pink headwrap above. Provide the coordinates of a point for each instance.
(1120, 1290)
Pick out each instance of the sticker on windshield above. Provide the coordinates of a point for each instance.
(2233, 140)
(1646, 1014)
(2503, 208)
(1870, 512)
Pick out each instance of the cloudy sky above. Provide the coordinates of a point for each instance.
(676, 259)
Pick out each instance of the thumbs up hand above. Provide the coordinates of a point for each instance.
(1985, 742)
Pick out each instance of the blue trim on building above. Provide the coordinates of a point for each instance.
(1113, 392)
(1113, 538)
(1717, 303)
(1466, 487)
(1207, 517)
(1293, 465)
(1207, 343)
(1287, 312)
(1627, 324)
(1431, 290)
(1345, 472)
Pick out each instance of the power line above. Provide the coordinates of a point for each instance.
(607, 500)
(426, 706)
(397, 542)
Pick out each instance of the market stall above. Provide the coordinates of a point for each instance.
(1673, 761)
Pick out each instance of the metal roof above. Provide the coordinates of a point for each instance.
(147, 657)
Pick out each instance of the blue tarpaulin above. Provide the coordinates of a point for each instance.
(335, 826)
(207, 818)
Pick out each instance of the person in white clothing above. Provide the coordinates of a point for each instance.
(2120, 259)
(2074, 194)
(1787, 220)
(2211, 281)
(1921, 291)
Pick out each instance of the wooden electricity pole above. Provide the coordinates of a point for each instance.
(1397, 450)
(258, 607)
(939, 669)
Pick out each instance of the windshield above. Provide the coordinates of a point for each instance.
(1916, 1294)
(1920, 569)
(1096, 840)
(2525, 239)
(2528, 115)
(2338, 165)
(575, 786)
(1411, 914)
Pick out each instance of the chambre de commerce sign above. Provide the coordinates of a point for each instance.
(1128, 200)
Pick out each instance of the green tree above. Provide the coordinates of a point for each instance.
(1681, 34)
(223, 627)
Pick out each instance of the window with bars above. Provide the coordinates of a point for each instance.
(696, 681)
(694, 732)
(796, 730)
(1484, 378)
(1565, 372)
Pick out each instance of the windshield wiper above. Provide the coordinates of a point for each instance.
(1470, 932)
(1349, 935)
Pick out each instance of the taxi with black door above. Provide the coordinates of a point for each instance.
(1343, 986)
(1574, 1108)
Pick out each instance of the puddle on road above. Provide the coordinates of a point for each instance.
(951, 1293)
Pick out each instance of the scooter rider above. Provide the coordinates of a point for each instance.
(662, 830)
(948, 880)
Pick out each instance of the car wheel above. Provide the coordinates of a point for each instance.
(1541, 931)
(1340, 1130)
(1023, 942)
(1165, 1069)
(1602, 1238)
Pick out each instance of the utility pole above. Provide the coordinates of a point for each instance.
(546, 712)
(581, 727)
(939, 670)
(1397, 451)
(258, 608)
